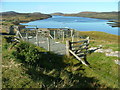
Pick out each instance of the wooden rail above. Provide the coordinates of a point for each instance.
(77, 57)
(82, 49)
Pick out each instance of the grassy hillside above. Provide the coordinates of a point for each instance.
(108, 41)
(28, 66)
(16, 18)
(12, 18)
(100, 15)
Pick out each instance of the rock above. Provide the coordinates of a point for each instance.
(117, 62)
(100, 51)
(108, 50)
(112, 54)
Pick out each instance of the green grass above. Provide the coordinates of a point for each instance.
(51, 70)
(103, 67)
(103, 15)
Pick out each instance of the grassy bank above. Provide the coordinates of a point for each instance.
(26, 65)
(15, 18)
(99, 15)
(109, 41)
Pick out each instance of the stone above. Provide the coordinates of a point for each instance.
(117, 62)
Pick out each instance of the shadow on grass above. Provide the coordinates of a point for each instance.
(41, 70)
(63, 78)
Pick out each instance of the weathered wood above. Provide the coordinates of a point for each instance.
(37, 37)
(72, 39)
(54, 35)
(26, 36)
(78, 57)
(79, 41)
(88, 39)
(51, 36)
(48, 42)
(71, 33)
(87, 42)
(68, 46)
(84, 44)
(19, 34)
(63, 35)
(82, 48)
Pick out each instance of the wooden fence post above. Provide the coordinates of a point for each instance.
(68, 46)
(48, 41)
(87, 45)
(54, 34)
(72, 39)
(27, 36)
(71, 33)
(37, 37)
(63, 36)
(88, 39)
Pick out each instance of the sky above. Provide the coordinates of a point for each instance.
(62, 6)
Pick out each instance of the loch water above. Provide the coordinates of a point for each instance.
(78, 23)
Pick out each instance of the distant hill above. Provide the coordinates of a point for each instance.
(9, 13)
(100, 15)
(57, 13)
(13, 13)
(16, 17)
(87, 12)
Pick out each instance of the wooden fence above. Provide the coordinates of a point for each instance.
(78, 49)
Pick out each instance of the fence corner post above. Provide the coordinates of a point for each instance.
(67, 48)
(88, 38)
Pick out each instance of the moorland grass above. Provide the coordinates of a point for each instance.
(52, 71)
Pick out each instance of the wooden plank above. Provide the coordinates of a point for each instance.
(81, 53)
(78, 57)
(79, 41)
(88, 38)
(37, 37)
(26, 36)
(80, 49)
(67, 48)
(63, 35)
(51, 36)
(80, 45)
(20, 35)
(54, 34)
(48, 40)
